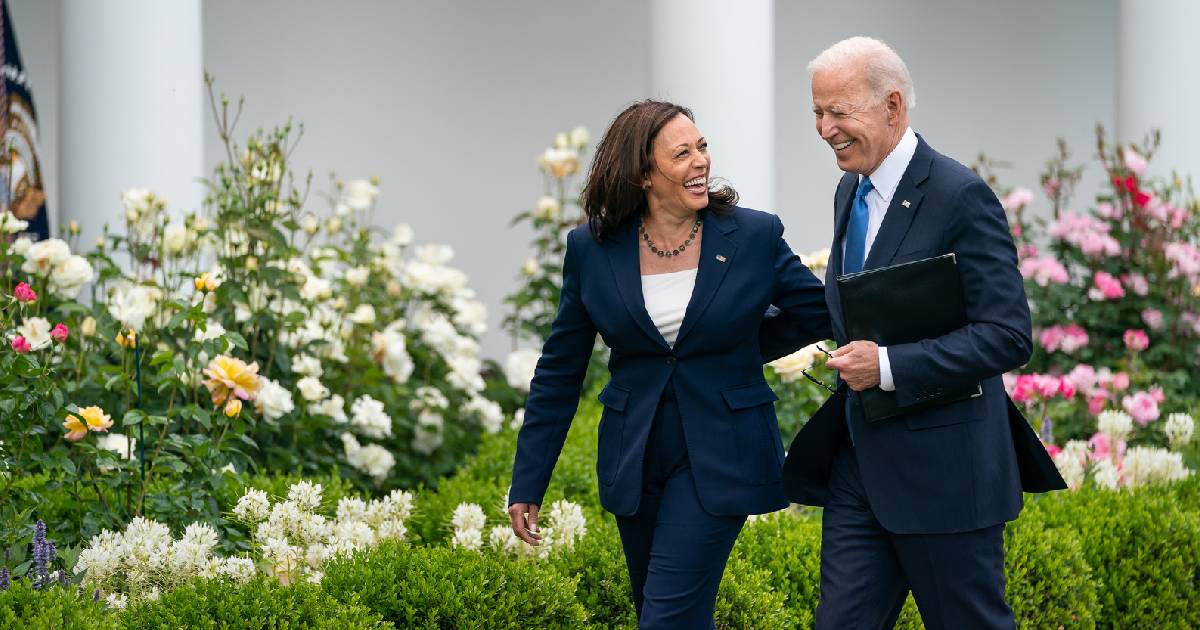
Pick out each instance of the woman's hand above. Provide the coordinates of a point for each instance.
(524, 522)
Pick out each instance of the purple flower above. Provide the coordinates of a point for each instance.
(5, 582)
(41, 556)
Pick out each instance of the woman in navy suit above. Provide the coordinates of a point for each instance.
(676, 279)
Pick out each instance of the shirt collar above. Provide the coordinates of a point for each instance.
(886, 177)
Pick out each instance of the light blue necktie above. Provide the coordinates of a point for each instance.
(856, 250)
(856, 234)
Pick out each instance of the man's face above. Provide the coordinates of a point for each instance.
(860, 130)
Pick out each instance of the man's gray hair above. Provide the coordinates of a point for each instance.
(885, 69)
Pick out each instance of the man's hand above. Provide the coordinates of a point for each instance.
(858, 364)
(524, 522)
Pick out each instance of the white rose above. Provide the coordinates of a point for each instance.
(131, 304)
(562, 140)
(363, 315)
(402, 234)
(547, 208)
(316, 289)
(10, 224)
(531, 267)
(70, 275)
(357, 276)
(519, 368)
(791, 367)
(471, 315)
(43, 256)
(359, 194)
(580, 137)
(369, 416)
(36, 330)
(273, 400)
(310, 224)
(311, 389)
(212, 330)
(434, 254)
(388, 347)
(334, 407)
(426, 440)
(22, 245)
(306, 365)
(175, 239)
(488, 412)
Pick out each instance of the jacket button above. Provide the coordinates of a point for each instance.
(670, 360)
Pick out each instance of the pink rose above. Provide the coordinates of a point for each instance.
(1052, 450)
(1153, 318)
(1142, 406)
(1108, 210)
(1105, 287)
(1083, 377)
(1074, 338)
(1024, 388)
(1134, 160)
(1157, 394)
(1102, 447)
(1044, 271)
(1136, 339)
(1046, 385)
(1066, 388)
(1120, 381)
(1051, 338)
(59, 333)
(20, 344)
(1136, 283)
(1017, 199)
(1097, 403)
(24, 294)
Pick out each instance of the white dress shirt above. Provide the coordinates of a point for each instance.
(885, 179)
(667, 296)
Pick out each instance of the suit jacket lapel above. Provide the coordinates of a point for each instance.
(841, 221)
(901, 211)
(716, 257)
(623, 256)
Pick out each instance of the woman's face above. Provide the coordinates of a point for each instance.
(678, 178)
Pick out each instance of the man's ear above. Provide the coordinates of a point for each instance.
(895, 105)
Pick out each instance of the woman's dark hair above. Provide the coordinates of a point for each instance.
(613, 193)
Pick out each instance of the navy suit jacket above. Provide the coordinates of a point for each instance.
(960, 466)
(715, 367)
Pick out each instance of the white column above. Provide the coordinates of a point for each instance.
(718, 58)
(132, 107)
(1157, 85)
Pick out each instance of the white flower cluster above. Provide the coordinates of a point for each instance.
(142, 211)
(792, 366)
(368, 416)
(488, 412)
(1179, 428)
(1072, 462)
(565, 524)
(145, 560)
(1117, 425)
(373, 460)
(296, 541)
(1145, 466)
(52, 259)
(519, 368)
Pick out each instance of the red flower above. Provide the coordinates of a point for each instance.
(59, 333)
(24, 294)
(20, 344)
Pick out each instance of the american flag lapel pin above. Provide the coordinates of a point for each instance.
(905, 203)
(720, 258)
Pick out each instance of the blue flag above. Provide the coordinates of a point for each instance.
(22, 187)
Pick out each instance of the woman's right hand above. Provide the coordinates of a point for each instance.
(524, 522)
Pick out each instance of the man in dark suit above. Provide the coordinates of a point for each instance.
(915, 502)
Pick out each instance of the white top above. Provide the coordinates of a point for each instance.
(885, 180)
(667, 296)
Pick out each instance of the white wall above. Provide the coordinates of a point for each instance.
(1004, 78)
(449, 102)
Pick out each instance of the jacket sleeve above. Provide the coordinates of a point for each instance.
(998, 336)
(799, 298)
(555, 389)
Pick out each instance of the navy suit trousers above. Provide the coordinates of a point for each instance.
(956, 579)
(675, 551)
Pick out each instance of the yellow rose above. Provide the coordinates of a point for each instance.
(76, 429)
(88, 326)
(230, 377)
(233, 408)
(88, 419)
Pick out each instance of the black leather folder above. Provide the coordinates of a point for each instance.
(900, 304)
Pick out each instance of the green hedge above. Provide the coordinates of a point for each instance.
(440, 587)
(262, 603)
(1143, 548)
(56, 607)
